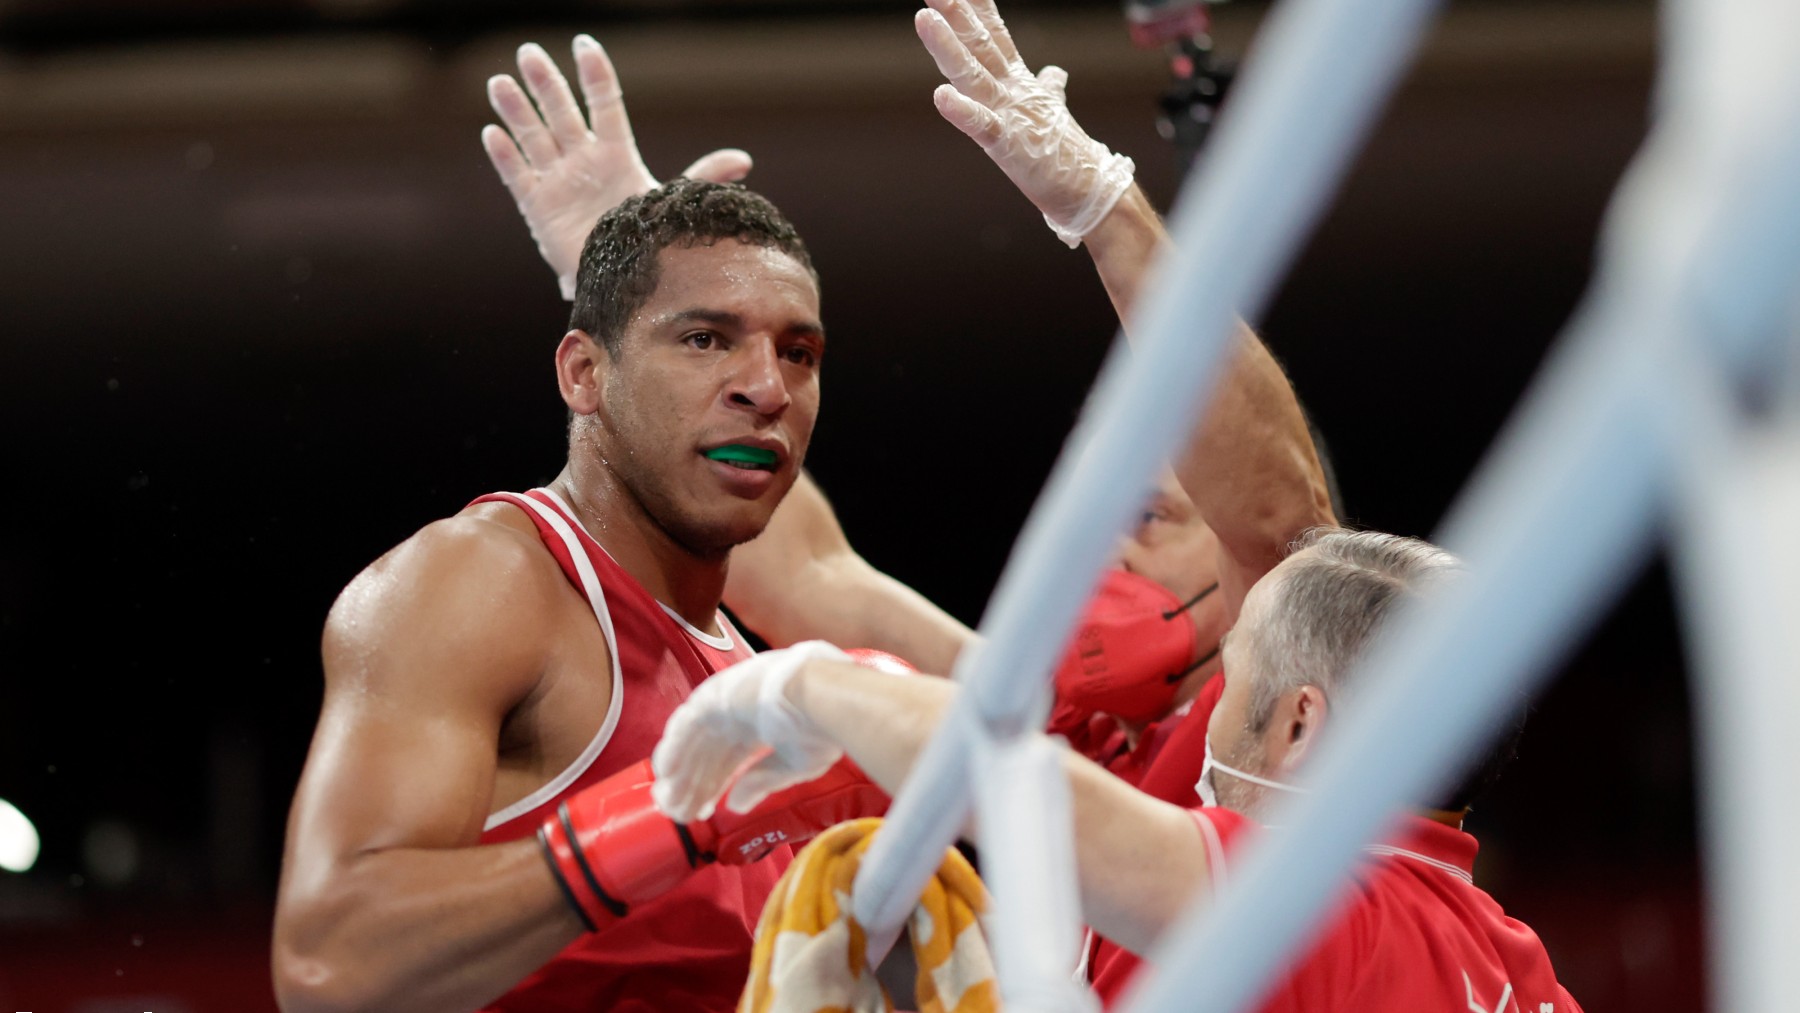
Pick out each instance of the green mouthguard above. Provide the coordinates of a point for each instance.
(737, 452)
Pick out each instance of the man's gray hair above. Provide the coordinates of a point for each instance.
(1328, 605)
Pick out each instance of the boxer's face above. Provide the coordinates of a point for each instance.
(725, 352)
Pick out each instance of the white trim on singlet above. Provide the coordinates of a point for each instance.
(719, 643)
(590, 584)
(1391, 851)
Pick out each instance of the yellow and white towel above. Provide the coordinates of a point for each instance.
(810, 952)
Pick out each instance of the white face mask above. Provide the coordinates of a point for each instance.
(1208, 766)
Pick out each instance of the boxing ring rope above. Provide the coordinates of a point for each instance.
(1736, 546)
(1638, 415)
(1703, 254)
(1735, 508)
(1297, 114)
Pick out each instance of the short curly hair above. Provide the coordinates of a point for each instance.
(619, 265)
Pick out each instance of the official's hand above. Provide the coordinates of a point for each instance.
(563, 171)
(1021, 119)
(731, 718)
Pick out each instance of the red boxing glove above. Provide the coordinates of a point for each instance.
(610, 847)
(1131, 651)
(881, 661)
(792, 815)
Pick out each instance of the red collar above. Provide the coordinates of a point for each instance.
(1432, 843)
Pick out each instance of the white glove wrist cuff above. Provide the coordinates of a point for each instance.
(779, 722)
(1114, 178)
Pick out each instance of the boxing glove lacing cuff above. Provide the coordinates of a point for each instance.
(695, 857)
(543, 836)
(618, 908)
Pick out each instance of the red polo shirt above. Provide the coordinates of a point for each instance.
(1415, 933)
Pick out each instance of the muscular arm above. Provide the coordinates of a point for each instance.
(800, 579)
(1249, 467)
(387, 902)
(1139, 859)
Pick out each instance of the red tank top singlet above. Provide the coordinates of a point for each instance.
(688, 950)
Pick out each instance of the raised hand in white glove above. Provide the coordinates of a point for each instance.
(562, 174)
(731, 718)
(1021, 119)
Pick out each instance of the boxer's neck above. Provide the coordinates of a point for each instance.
(689, 584)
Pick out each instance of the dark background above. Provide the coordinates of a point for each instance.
(266, 312)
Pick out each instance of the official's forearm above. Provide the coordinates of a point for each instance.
(1139, 860)
(410, 930)
(881, 721)
(1125, 247)
(1250, 467)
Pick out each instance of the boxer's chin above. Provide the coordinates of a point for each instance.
(715, 532)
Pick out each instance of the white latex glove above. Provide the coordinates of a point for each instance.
(732, 717)
(562, 174)
(1019, 118)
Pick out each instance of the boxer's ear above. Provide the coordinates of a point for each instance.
(580, 369)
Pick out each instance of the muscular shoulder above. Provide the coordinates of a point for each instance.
(467, 602)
